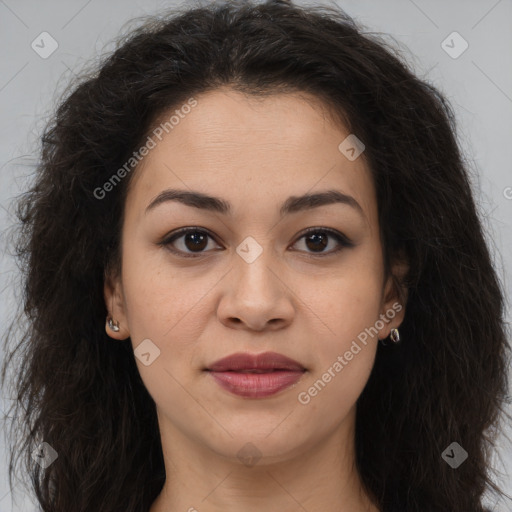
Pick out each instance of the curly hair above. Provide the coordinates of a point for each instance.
(83, 395)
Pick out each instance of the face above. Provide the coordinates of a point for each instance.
(248, 277)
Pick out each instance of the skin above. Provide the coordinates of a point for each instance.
(254, 153)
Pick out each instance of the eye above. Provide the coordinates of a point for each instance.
(195, 240)
(317, 239)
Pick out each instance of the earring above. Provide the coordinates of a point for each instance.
(112, 326)
(394, 335)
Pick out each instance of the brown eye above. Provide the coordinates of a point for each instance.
(317, 239)
(194, 240)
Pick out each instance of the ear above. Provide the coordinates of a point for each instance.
(114, 301)
(394, 297)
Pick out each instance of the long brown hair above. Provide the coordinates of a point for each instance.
(82, 394)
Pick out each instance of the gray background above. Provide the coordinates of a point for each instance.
(478, 83)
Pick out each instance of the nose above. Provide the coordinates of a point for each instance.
(256, 295)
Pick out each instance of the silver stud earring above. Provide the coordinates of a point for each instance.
(112, 326)
(395, 336)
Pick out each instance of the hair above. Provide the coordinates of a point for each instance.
(81, 392)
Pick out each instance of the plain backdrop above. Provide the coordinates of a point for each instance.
(471, 67)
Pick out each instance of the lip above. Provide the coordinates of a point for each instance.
(256, 375)
(264, 361)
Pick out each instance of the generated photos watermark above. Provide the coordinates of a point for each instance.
(137, 156)
(304, 397)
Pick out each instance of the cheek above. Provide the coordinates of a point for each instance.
(160, 299)
(350, 315)
(349, 307)
(348, 299)
(171, 308)
(344, 353)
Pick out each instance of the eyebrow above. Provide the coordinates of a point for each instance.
(293, 204)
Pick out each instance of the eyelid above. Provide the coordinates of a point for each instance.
(342, 239)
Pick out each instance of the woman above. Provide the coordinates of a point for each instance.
(256, 280)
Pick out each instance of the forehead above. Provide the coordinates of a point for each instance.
(251, 149)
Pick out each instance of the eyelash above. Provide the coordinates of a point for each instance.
(340, 238)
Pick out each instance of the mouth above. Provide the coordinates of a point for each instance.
(262, 363)
(254, 370)
(257, 375)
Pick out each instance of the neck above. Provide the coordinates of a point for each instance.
(320, 477)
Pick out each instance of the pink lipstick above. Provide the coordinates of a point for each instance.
(256, 375)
